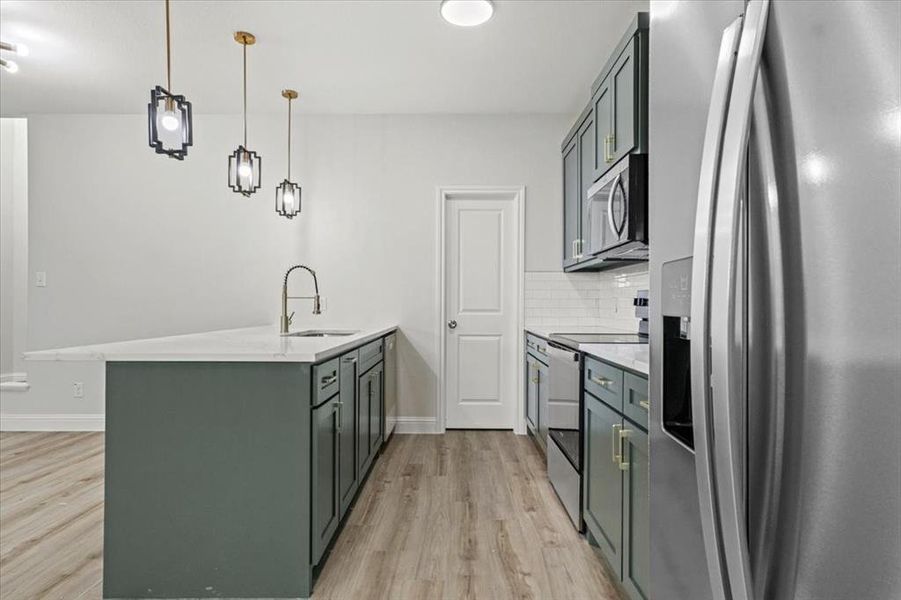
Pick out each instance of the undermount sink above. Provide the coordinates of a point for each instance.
(321, 333)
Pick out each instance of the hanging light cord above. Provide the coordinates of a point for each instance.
(245, 94)
(289, 138)
(168, 53)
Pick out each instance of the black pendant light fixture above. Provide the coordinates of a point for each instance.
(244, 165)
(169, 126)
(287, 194)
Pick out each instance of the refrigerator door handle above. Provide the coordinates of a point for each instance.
(726, 358)
(700, 367)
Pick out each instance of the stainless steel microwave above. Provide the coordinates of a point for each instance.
(617, 207)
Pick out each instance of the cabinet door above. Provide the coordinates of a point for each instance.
(603, 128)
(586, 178)
(602, 485)
(571, 203)
(636, 513)
(543, 394)
(364, 425)
(532, 394)
(625, 108)
(325, 475)
(376, 407)
(347, 437)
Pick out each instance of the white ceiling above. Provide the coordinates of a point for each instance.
(533, 56)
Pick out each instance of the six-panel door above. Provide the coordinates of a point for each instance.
(602, 483)
(636, 513)
(325, 432)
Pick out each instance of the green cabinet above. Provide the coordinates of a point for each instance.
(603, 479)
(325, 507)
(348, 401)
(616, 491)
(636, 512)
(613, 125)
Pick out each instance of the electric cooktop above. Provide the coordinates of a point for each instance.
(575, 339)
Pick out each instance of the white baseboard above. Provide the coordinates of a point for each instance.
(416, 425)
(49, 422)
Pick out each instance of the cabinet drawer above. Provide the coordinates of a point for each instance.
(635, 399)
(604, 382)
(536, 346)
(325, 381)
(370, 354)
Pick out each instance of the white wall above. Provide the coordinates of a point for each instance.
(137, 245)
(369, 225)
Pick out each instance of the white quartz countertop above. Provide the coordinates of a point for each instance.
(635, 357)
(252, 344)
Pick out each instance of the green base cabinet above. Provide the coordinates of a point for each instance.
(326, 509)
(636, 513)
(603, 480)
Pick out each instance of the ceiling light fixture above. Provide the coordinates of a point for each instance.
(10, 66)
(20, 49)
(287, 194)
(244, 165)
(170, 129)
(467, 13)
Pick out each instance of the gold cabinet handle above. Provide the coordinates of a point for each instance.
(623, 436)
(573, 255)
(601, 381)
(616, 444)
(328, 380)
(645, 405)
(608, 143)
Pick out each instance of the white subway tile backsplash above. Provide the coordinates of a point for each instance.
(601, 300)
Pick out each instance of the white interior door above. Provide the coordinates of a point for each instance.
(481, 246)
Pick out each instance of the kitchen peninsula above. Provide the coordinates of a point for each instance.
(233, 456)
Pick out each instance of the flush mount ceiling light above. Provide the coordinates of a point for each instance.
(244, 165)
(169, 124)
(287, 194)
(467, 13)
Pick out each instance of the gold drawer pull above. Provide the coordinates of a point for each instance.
(616, 429)
(645, 405)
(601, 381)
(328, 380)
(623, 435)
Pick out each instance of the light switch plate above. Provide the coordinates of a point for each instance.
(40, 279)
(77, 389)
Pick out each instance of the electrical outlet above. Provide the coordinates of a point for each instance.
(40, 279)
(77, 389)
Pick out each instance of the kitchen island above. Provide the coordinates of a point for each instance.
(233, 456)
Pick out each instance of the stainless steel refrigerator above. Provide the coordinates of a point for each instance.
(775, 228)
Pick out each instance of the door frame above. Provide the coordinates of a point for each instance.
(517, 195)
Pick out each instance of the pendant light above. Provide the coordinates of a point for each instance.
(169, 126)
(287, 194)
(244, 165)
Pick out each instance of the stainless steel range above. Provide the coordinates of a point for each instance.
(565, 414)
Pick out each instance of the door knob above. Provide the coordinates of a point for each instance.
(452, 324)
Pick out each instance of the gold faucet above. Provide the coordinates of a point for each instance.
(317, 309)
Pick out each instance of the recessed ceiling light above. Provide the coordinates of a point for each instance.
(466, 13)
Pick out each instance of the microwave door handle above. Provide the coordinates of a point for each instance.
(610, 222)
(726, 363)
(700, 369)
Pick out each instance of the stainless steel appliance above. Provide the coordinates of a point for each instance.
(565, 411)
(616, 212)
(775, 300)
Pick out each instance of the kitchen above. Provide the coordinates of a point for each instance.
(506, 327)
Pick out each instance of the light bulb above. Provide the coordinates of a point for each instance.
(169, 120)
(289, 201)
(244, 170)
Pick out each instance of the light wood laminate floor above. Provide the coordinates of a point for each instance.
(469, 514)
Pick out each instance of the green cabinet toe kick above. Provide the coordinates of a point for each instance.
(231, 479)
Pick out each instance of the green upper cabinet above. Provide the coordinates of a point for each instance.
(636, 513)
(571, 202)
(613, 125)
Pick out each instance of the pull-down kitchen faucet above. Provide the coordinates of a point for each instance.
(286, 319)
